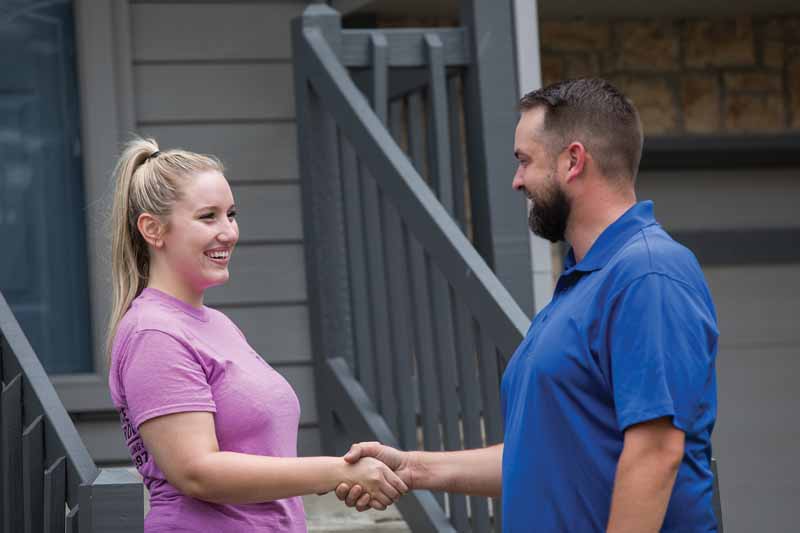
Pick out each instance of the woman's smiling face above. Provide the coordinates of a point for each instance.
(201, 233)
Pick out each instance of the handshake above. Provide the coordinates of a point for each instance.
(375, 476)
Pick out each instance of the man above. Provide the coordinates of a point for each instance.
(610, 400)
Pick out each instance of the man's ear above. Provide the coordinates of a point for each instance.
(576, 160)
(151, 228)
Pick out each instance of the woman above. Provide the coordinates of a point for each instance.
(211, 427)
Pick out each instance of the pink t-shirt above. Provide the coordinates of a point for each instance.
(169, 357)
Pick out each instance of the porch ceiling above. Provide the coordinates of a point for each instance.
(584, 8)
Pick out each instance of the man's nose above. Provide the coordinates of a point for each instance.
(517, 183)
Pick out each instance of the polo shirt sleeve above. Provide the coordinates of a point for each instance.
(661, 343)
(161, 376)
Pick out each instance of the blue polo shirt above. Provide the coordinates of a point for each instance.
(629, 336)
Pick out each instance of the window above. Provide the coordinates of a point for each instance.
(43, 272)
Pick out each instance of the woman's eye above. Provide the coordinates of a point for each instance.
(207, 216)
(232, 214)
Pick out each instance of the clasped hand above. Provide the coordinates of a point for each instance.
(375, 494)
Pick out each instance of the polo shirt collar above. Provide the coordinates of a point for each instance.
(613, 238)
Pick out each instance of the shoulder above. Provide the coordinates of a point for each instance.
(145, 315)
(652, 251)
(148, 321)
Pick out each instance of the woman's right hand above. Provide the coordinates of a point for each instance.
(376, 479)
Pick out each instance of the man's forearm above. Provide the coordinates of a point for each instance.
(642, 489)
(476, 472)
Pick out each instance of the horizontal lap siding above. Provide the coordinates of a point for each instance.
(263, 152)
(757, 305)
(217, 78)
(223, 32)
(262, 274)
(268, 212)
(213, 93)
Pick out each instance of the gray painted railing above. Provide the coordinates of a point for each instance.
(409, 323)
(48, 481)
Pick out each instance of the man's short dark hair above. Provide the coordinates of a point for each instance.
(595, 113)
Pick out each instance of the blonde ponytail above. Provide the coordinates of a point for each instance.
(146, 181)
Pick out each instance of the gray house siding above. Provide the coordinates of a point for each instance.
(755, 439)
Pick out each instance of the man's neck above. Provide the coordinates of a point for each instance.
(591, 216)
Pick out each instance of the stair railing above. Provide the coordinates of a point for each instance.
(48, 481)
(409, 324)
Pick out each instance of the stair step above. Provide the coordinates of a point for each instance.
(326, 514)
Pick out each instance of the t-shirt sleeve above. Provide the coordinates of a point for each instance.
(161, 376)
(661, 339)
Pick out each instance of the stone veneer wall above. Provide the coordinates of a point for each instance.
(687, 76)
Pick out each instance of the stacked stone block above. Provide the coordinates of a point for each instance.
(695, 76)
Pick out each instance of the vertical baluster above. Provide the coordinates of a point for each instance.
(32, 472)
(424, 349)
(395, 258)
(73, 520)
(9, 367)
(424, 343)
(490, 387)
(470, 395)
(378, 297)
(416, 134)
(457, 154)
(11, 448)
(354, 224)
(376, 268)
(380, 74)
(55, 492)
(445, 358)
(401, 331)
(489, 371)
(437, 122)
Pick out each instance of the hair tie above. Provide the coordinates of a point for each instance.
(152, 156)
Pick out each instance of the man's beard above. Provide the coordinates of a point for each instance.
(548, 215)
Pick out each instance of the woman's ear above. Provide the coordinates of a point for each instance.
(151, 229)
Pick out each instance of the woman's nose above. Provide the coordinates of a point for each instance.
(229, 232)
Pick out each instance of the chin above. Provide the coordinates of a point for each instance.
(217, 279)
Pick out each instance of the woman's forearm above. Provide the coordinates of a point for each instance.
(236, 478)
